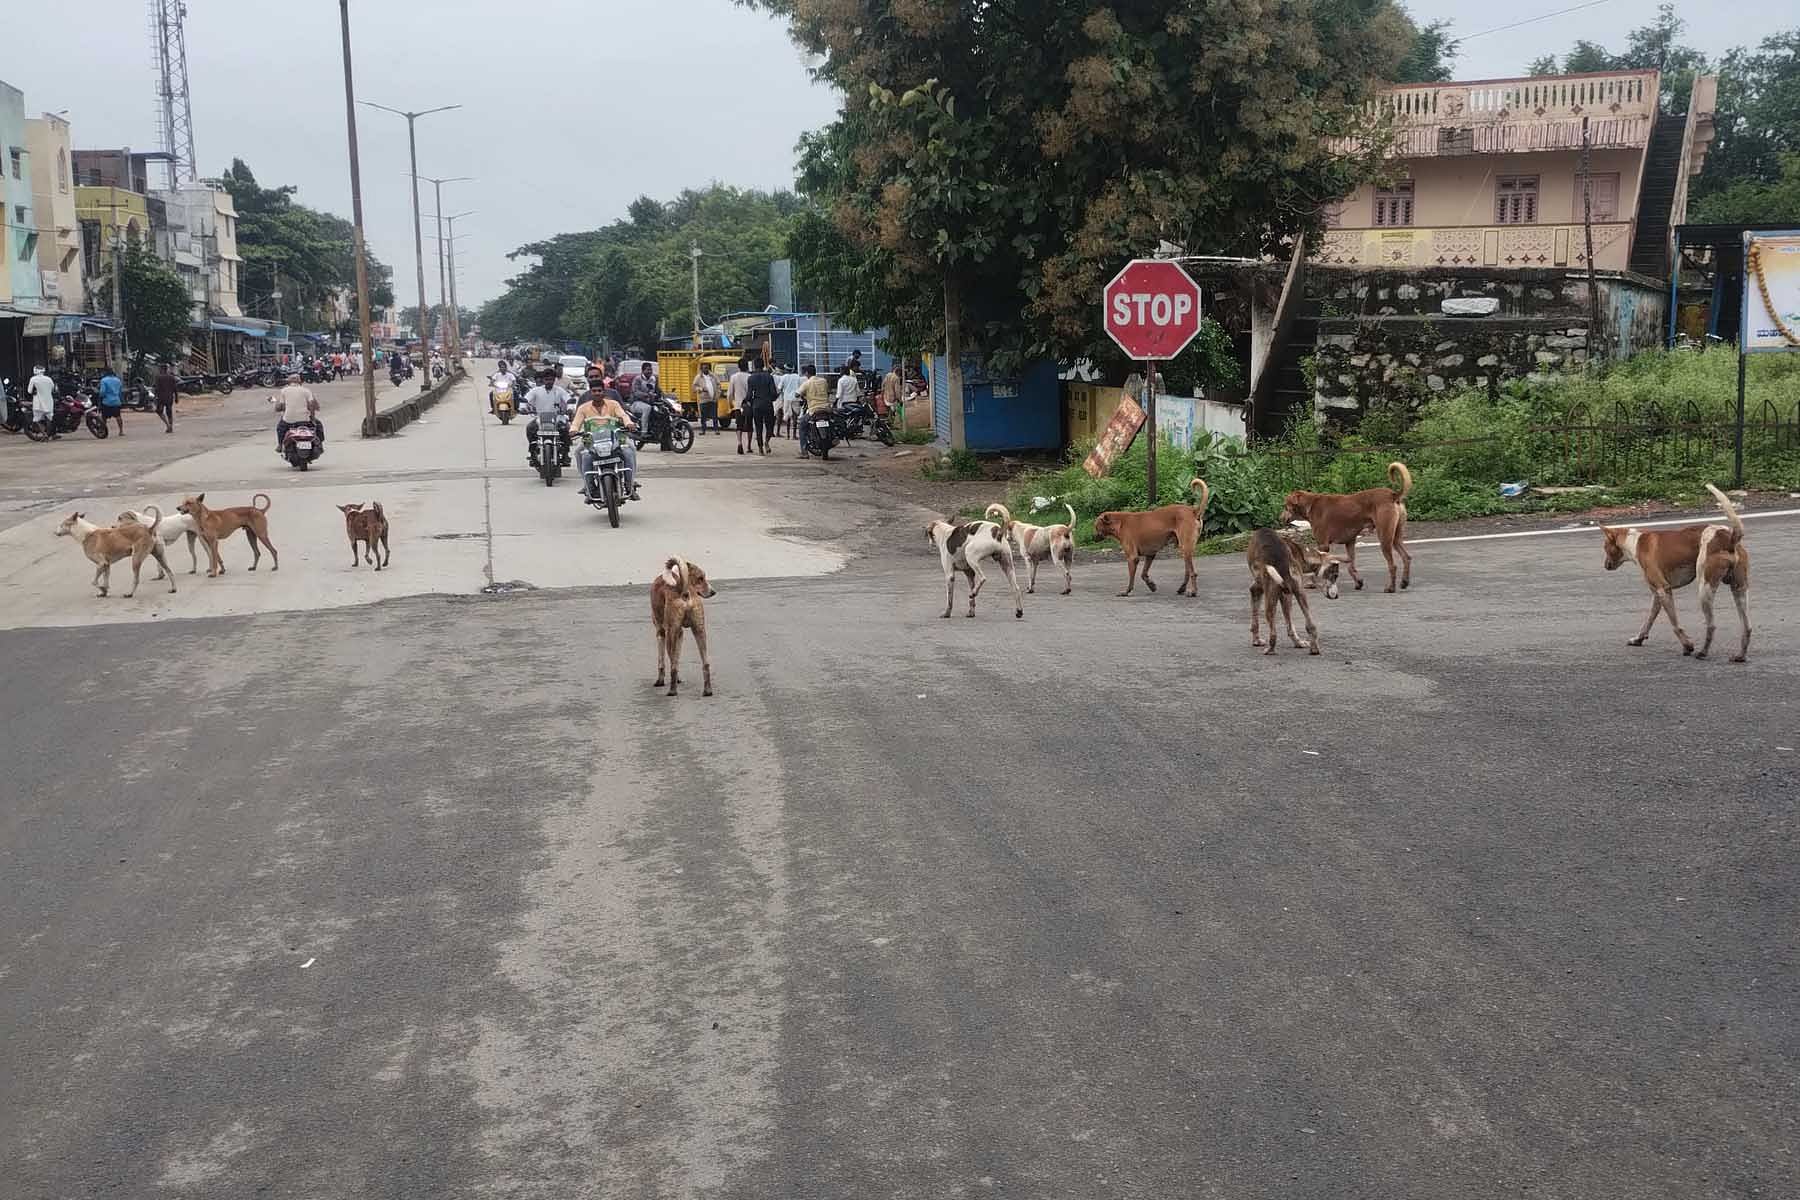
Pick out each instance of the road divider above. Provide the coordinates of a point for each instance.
(391, 419)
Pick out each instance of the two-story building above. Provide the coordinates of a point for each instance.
(53, 201)
(21, 285)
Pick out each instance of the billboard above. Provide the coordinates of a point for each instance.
(1771, 306)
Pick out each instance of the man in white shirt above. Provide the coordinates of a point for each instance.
(548, 402)
(787, 413)
(849, 387)
(739, 392)
(500, 381)
(293, 404)
(43, 400)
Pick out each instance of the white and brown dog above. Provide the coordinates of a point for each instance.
(105, 546)
(170, 530)
(1673, 558)
(1035, 543)
(963, 546)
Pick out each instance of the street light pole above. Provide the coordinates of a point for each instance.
(412, 143)
(694, 254)
(443, 287)
(455, 310)
(362, 259)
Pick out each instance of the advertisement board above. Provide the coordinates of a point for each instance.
(1771, 320)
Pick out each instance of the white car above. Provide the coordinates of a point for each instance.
(574, 373)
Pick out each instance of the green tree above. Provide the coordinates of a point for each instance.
(1655, 46)
(158, 310)
(1432, 57)
(1757, 121)
(1754, 201)
(307, 255)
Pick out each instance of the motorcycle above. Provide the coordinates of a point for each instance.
(604, 482)
(862, 421)
(500, 402)
(667, 427)
(18, 418)
(549, 459)
(829, 426)
(301, 446)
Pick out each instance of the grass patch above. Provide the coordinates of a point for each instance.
(916, 437)
(952, 466)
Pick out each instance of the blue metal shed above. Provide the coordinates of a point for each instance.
(1019, 413)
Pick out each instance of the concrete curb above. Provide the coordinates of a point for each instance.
(388, 421)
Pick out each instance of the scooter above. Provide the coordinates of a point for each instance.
(500, 401)
(301, 445)
(604, 482)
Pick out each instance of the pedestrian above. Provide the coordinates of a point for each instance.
(738, 391)
(43, 401)
(815, 396)
(787, 414)
(888, 399)
(163, 391)
(706, 397)
(112, 399)
(849, 386)
(762, 392)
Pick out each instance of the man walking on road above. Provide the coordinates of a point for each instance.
(787, 413)
(762, 392)
(706, 397)
(112, 399)
(43, 401)
(739, 392)
(163, 390)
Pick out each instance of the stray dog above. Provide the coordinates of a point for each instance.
(1342, 518)
(1316, 568)
(964, 546)
(217, 524)
(1035, 543)
(678, 601)
(1272, 577)
(105, 546)
(1145, 534)
(1674, 558)
(367, 526)
(172, 527)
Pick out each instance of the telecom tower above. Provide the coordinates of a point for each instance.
(168, 42)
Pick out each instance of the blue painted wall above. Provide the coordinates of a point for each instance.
(1022, 413)
(27, 284)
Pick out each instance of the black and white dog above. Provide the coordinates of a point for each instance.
(964, 547)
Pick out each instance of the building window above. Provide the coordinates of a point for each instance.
(90, 247)
(93, 177)
(28, 247)
(62, 170)
(1394, 205)
(18, 163)
(1516, 200)
(1606, 197)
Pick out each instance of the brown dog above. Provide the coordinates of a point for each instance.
(677, 602)
(1273, 576)
(1339, 518)
(216, 524)
(1144, 534)
(368, 526)
(105, 546)
(1674, 558)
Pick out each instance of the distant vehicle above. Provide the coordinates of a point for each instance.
(574, 373)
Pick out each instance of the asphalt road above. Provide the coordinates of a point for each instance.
(435, 897)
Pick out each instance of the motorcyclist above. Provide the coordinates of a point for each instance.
(547, 402)
(603, 405)
(295, 404)
(645, 394)
(500, 381)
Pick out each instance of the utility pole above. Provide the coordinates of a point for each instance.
(694, 256)
(362, 258)
(455, 312)
(1596, 338)
(412, 142)
(443, 285)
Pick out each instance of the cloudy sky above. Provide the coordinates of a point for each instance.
(571, 107)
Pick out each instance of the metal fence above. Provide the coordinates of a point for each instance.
(1588, 447)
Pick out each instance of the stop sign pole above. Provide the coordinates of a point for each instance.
(1151, 309)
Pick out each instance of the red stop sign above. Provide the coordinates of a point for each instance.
(1152, 309)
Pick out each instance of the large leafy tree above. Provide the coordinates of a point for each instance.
(158, 310)
(1001, 163)
(308, 255)
(1656, 46)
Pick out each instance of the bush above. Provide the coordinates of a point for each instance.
(951, 466)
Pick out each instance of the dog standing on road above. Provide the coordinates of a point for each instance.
(1035, 543)
(1342, 518)
(105, 546)
(217, 524)
(678, 601)
(1145, 534)
(368, 526)
(170, 530)
(1274, 576)
(964, 546)
(1316, 568)
(1674, 558)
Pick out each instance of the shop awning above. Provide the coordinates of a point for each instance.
(234, 327)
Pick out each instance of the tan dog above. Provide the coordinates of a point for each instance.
(1339, 518)
(105, 546)
(217, 524)
(367, 526)
(1273, 577)
(1674, 558)
(1144, 535)
(1035, 543)
(677, 602)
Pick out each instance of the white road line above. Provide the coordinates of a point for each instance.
(1526, 533)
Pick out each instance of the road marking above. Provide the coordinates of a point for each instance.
(1526, 533)
(309, 962)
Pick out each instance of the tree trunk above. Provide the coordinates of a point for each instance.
(953, 376)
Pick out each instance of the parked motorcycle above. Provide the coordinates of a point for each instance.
(667, 427)
(829, 426)
(301, 445)
(18, 418)
(604, 482)
(862, 421)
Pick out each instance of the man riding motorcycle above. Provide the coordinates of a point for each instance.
(500, 381)
(603, 405)
(547, 402)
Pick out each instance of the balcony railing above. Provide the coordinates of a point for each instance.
(1497, 246)
(1510, 116)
